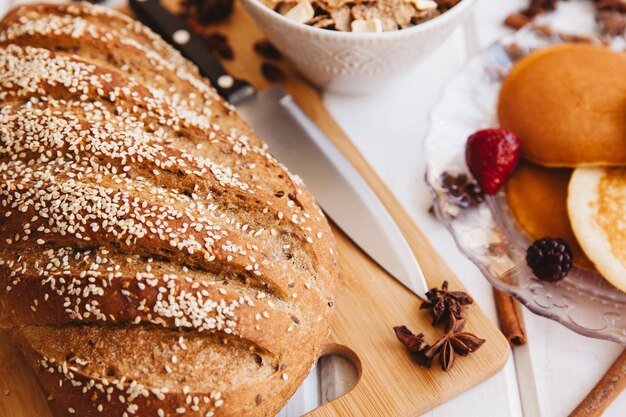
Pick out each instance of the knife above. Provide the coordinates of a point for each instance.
(298, 143)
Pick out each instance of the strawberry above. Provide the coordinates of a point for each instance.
(492, 155)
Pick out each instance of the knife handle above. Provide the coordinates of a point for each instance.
(180, 35)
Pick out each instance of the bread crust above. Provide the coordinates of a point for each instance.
(137, 206)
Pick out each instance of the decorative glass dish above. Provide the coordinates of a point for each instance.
(488, 234)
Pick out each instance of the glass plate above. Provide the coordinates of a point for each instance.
(488, 235)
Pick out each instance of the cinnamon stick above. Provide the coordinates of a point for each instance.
(606, 390)
(510, 318)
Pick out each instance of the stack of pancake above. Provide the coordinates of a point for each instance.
(567, 103)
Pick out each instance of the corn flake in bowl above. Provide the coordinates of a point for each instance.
(356, 46)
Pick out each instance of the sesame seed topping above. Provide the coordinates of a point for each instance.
(137, 185)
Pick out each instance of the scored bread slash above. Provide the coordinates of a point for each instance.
(301, 12)
(372, 25)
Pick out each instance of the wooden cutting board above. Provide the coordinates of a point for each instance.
(369, 303)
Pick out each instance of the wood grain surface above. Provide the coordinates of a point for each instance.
(369, 303)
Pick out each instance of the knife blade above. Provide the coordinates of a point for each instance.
(297, 142)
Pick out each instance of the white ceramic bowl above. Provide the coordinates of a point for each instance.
(354, 63)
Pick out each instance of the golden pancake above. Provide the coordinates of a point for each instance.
(537, 198)
(596, 204)
(567, 103)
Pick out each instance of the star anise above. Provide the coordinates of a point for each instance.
(455, 341)
(415, 345)
(445, 304)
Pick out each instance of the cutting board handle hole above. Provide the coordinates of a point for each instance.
(342, 368)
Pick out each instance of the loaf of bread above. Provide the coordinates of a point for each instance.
(155, 259)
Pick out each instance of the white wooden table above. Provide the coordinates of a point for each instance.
(557, 368)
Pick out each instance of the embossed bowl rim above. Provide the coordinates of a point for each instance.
(435, 22)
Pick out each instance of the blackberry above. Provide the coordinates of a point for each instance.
(550, 259)
(463, 191)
